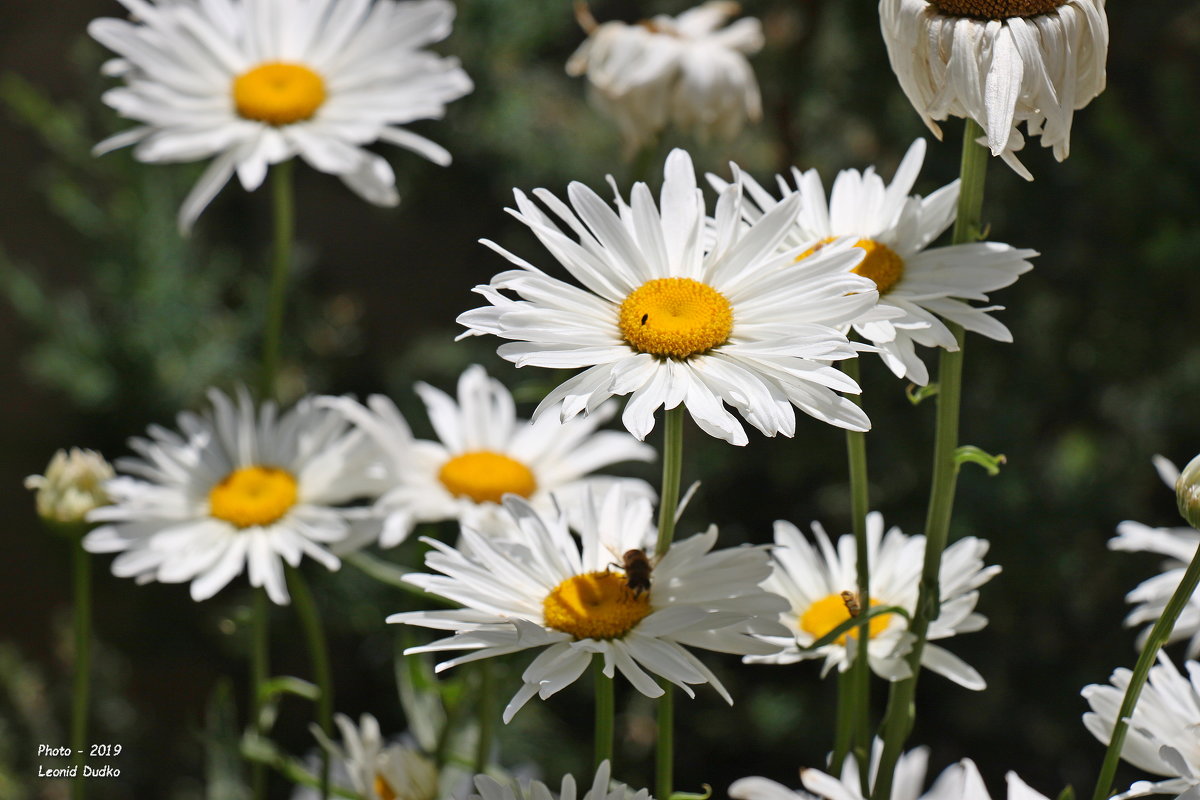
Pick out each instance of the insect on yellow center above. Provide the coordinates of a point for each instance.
(253, 496)
(830, 611)
(383, 789)
(881, 263)
(995, 9)
(595, 605)
(675, 317)
(278, 93)
(486, 477)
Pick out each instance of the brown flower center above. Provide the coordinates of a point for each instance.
(996, 9)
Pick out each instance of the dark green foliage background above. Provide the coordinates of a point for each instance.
(108, 321)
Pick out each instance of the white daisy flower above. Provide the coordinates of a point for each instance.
(815, 580)
(485, 452)
(1000, 63)
(919, 286)
(669, 321)
(1151, 596)
(236, 487)
(539, 587)
(960, 781)
(687, 71)
(1161, 738)
(373, 769)
(250, 83)
(602, 789)
(72, 486)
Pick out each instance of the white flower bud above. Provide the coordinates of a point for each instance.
(72, 486)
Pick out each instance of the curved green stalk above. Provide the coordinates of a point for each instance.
(901, 710)
(259, 668)
(318, 648)
(605, 713)
(1158, 637)
(82, 575)
(664, 777)
(281, 261)
(487, 716)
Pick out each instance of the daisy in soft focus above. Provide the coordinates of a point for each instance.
(250, 83)
(237, 488)
(669, 321)
(960, 781)
(816, 579)
(539, 587)
(72, 486)
(1161, 738)
(1000, 63)
(484, 452)
(488, 788)
(687, 71)
(373, 769)
(919, 286)
(1151, 595)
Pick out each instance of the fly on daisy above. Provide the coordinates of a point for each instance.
(921, 286)
(821, 583)
(485, 451)
(250, 83)
(539, 587)
(671, 315)
(237, 488)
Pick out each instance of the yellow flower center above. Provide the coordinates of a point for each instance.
(383, 789)
(278, 93)
(830, 611)
(253, 496)
(486, 477)
(881, 263)
(995, 9)
(596, 605)
(675, 317)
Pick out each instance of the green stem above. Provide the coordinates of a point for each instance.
(259, 668)
(82, 573)
(859, 717)
(847, 712)
(1158, 637)
(672, 471)
(605, 713)
(901, 710)
(318, 648)
(284, 229)
(487, 716)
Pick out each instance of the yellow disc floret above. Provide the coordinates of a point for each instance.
(595, 605)
(995, 9)
(253, 496)
(881, 263)
(675, 317)
(830, 611)
(485, 476)
(278, 93)
(383, 789)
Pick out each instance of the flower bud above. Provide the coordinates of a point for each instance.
(72, 486)
(1187, 492)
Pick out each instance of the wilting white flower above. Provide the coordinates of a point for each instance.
(960, 781)
(235, 488)
(919, 286)
(485, 452)
(1151, 595)
(539, 587)
(373, 769)
(72, 486)
(602, 789)
(1161, 738)
(685, 70)
(250, 83)
(1000, 63)
(815, 581)
(671, 316)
